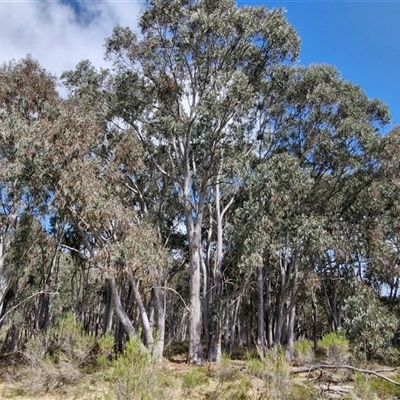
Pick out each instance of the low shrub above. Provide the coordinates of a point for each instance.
(55, 358)
(335, 347)
(274, 369)
(105, 349)
(303, 351)
(197, 376)
(131, 374)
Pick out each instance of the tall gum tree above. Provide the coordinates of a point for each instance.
(26, 93)
(319, 153)
(187, 86)
(70, 166)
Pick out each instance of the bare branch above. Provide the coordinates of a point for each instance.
(348, 367)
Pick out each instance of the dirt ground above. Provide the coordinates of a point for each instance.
(230, 380)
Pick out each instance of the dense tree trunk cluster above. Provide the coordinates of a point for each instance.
(207, 189)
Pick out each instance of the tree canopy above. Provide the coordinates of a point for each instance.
(206, 186)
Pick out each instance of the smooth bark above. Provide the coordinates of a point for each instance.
(261, 320)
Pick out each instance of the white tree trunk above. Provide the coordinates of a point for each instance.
(194, 220)
(195, 318)
(122, 315)
(158, 346)
(148, 336)
(261, 320)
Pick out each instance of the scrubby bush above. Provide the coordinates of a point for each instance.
(303, 351)
(105, 349)
(335, 347)
(369, 324)
(274, 369)
(68, 341)
(132, 375)
(195, 377)
(55, 357)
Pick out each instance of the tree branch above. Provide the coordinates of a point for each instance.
(349, 367)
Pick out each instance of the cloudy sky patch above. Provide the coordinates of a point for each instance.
(359, 37)
(61, 33)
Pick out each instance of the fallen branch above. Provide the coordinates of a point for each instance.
(348, 367)
(337, 388)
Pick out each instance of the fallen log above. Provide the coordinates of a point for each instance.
(348, 367)
(336, 388)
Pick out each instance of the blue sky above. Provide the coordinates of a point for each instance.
(361, 38)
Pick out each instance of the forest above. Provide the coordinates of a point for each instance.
(205, 189)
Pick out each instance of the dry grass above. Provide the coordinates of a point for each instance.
(132, 377)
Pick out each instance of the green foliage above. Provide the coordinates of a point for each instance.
(384, 389)
(68, 340)
(303, 392)
(389, 355)
(106, 345)
(241, 389)
(372, 388)
(204, 94)
(369, 324)
(131, 374)
(303, 351)
(274, 369)
(197, 376)
(255, 365)
(57, 356)
(335, 347)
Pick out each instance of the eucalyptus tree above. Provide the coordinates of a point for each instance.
(27, 93)
(369, 324)
(381, 233)
(84, 164)
(320, 153)
(186, 86)
(65, 168)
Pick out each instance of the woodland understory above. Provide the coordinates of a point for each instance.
(206, 189)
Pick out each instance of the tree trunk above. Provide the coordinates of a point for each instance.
(215, 348)
(148, 336)
(195, 320)
(315, 319)
(194, 220)
(4, 284)
(261, 321)
(290, 333)
(206, 304)
(107, 325)
(158, 347)
(270, 333)
(234, 322)
(280, 310)
(119, 309)
(208, 284)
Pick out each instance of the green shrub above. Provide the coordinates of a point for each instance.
(369, 324)
(69, 341)
(274, 369)
(384, 389)
(255, 365)
(335, 347)
(303, 351)
(303, 392)
(197, 376)
(131, 374)
(105, 349)
(54, 358)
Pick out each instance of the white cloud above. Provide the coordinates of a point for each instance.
(56, 36)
